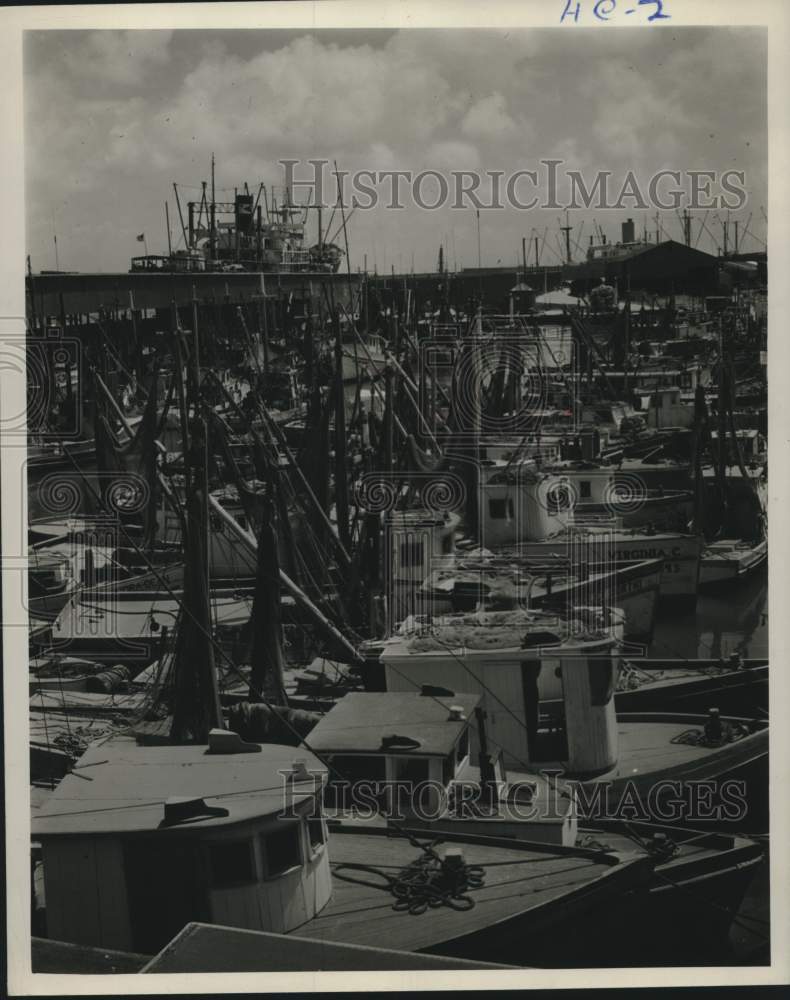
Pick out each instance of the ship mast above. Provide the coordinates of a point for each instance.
(213, 223)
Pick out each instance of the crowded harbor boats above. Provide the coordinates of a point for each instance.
(352, 605)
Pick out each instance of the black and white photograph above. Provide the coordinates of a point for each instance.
(385, 496)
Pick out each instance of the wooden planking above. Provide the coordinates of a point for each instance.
(363, 915)
(591, 729)
(111, 889)
(72, 914)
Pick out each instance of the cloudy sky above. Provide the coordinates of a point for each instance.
(112, 119)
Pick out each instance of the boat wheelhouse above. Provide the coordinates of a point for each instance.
(139, 840)
(413, 749)
(523, 671)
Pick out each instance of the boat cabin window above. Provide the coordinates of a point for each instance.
(281, 850)
(601, 673)
(347, 771)
(231, 863)
(355, 767)
(558, 498)
(413, 769)
(584, 489)
(316, 832)
(411, 553)
(500, 508)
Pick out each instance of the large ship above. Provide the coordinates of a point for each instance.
(263, 231)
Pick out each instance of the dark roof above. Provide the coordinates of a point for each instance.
(359, 722)
(672, 246)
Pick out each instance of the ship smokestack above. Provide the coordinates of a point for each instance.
(628, 231)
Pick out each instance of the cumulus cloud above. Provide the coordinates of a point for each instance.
(489, 119)
(113, 118)
(115, 57)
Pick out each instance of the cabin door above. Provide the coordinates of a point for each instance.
(165, 889)
(547, 739)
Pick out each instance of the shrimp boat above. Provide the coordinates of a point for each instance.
(233, 833)
(414, 749)
(124, 622)
(524, 668)
(598, 544)
(508, 583)
(533, 514)
(600, 490)
(730, 560)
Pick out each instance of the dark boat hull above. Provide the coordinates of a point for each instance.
(722, 788)
(742, 692)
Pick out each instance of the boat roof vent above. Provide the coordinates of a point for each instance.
(456, 714)
(299, 771)
(431, 691)
(225, 741)
(395, 742)
(182, 810)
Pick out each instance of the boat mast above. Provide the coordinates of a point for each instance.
(213, 223)
(167, 221)
(197, 707)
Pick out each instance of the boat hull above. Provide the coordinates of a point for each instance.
(681, 555)
(717, 572)
(723, 788)
(735, 692)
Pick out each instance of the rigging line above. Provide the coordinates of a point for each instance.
(270, 425)
(110, 346)
(234, 669)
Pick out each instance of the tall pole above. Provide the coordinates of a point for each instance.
(721, 467)
(181, 217)
(567, 230)
(389, 421)
(167, 221)
(212, 243)
(341, 470)
(524, 256)
(266, 675)
(479, 252)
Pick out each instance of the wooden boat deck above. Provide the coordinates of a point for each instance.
(646, 744)
(530, 883)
